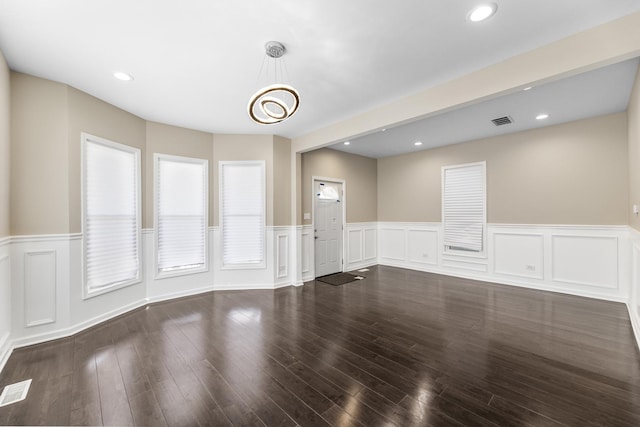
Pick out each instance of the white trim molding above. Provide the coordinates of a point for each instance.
(553, 258)
(307, 249)
(361, 245)
(633, 302)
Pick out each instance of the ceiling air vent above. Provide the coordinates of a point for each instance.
(500, 121)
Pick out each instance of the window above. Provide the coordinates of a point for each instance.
(181, 215)
(242, 201)
(464, 207)
(110, 215)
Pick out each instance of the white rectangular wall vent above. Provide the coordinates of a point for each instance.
(14, 393)
(500, 121)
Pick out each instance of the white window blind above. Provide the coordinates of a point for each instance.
(111, 214)
(463, 206)
(181, 214)
(242, 192)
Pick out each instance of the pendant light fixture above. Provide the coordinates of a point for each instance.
(277, 102)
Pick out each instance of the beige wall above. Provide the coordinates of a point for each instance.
(47, 119)
(573, 173)
(177, 141)
(91, 115)
(5, 149)
(281, 181)
(39, 160)
(360, 174)
(633, 117)
(243, 147)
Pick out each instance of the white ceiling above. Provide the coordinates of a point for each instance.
(196, 62)
(602, 91)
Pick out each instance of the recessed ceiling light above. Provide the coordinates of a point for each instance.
(417, 143)
(122, 76)
(482, 12)
(542, 116)
(528, 88)
(347, 143)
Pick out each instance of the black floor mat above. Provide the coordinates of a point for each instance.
(337, 278)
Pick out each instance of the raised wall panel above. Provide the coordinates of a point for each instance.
(354, 244)
(282, 255)
(393, 244)
(39, 288)
(635, 280)
(5, 302)
(306, 252)
(370, 243)
(423, 246)
(585, 260)
(459, 263)
(520, 255)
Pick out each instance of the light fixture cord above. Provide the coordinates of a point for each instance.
(264, 58)
(280, 71)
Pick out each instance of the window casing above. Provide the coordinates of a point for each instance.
(181, 215)
(110, 215)
(464, 208)
(242, 214)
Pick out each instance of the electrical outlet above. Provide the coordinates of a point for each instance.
(530, 267)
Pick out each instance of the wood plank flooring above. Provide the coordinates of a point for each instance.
(399, 348)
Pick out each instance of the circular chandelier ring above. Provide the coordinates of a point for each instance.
(265, 97)
(265, 101)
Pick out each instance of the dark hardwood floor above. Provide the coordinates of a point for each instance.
(398, 348)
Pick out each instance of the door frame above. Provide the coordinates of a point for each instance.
(343, 201)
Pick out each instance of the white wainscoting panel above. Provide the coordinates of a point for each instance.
(518, 255)
(5, 302)
(361, 245)
(371, 243)
(39, 288)
(633, 302)
(393, 244)
(307, 249)
(423, 246)
(580, 260)
(585, 260)
(282, 255)
(354, 245)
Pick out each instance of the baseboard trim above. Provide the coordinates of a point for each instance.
(72, 330)
(5, 350)
(635, 324)
(363, 264)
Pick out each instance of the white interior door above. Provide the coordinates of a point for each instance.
(328, 227)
